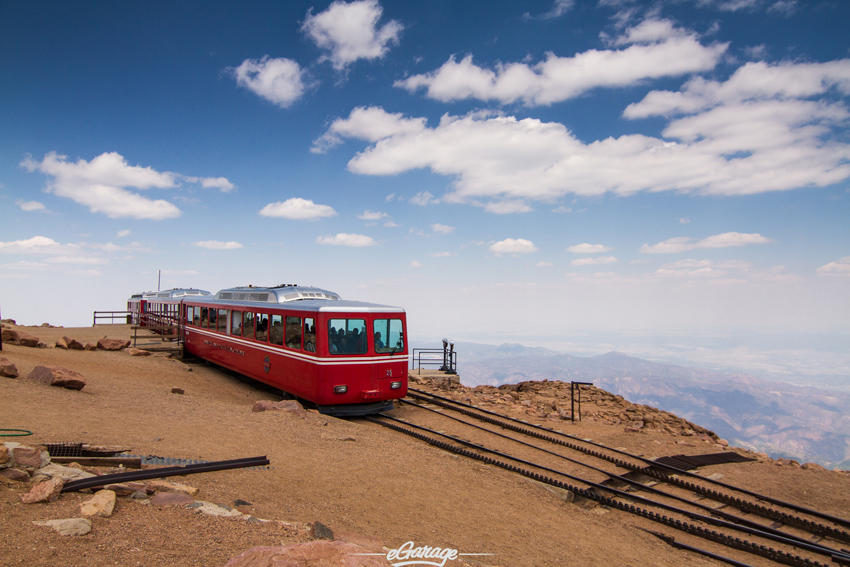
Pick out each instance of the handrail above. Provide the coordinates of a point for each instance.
(122, 316)
(447, 360)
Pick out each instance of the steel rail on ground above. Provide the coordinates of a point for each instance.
(779, 516)
(588, 493)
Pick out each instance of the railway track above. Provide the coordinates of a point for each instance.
(731, 516)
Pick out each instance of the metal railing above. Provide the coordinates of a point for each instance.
(444, 359)
(124, 317)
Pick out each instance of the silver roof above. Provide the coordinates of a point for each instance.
(172, 293)
(277, 294)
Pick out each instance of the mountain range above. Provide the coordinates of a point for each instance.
(808, 424)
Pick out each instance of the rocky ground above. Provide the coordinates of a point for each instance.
(368, 485)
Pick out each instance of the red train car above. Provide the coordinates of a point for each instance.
(346, 357)
(159, 308)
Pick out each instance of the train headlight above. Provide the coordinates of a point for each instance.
(395, 385)
(340, 389)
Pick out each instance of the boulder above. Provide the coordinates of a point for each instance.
(26, 456)
(163, 486)
(15, 474)
(68, 527)
(112, 344)
(171, 499)
(8, 369)
(291, 406)
(9, 335)
(90, 346)
(62, 343)
(138, 352)
(58, 376)
(5, 457)
(312, 554)
(46, 491)
(100, 505)
(73, 344)
(65, 473)
(27, 340)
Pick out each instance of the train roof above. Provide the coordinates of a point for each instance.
(308, 298)
(172, 293)
(277, 294)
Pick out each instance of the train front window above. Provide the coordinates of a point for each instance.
(347, 336)
(222, 320)
(389, 335)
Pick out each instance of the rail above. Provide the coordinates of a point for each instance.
(124, 317)
(442, 358)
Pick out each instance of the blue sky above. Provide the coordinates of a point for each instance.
(502, 170)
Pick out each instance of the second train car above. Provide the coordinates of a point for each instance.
(346, 357)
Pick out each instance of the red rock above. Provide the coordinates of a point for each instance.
(46, 491)
(312, 554)
(138, 352)
(58, 376)
(4, 454)
(171, 499)
(27, 456)
(15, 474)
(73, 344)
(291, 406)
(9, 335)
(27, 340)
(90, 346)
(112, 344)
(62, 343)
(8, 369)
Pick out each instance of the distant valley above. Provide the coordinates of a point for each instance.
(808, 424)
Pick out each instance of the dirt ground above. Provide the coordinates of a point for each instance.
(350, 475)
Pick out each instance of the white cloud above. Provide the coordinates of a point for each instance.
(101, 185)
(84, 260)
(217, 245)
(343, 239)
(655, 50)
(423, 198)
(30, 206)
(562, 209)
(122, 233)
(596, 261)
(544, 264)
(686, 244)
(840, 267)
(220, 183)
(507, 161)
(513, 246)
(442, 228)
(372, 216)
(280, 81)
(350, 31)
(370, 124)
(507, 207)
(415, 264)
(297, 209)
(441, 254)
(34, 245)
(585, 248)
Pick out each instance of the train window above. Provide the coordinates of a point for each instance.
(222, 320)
(196, 317)
(262, 326)
(276, 330)
(347, 336)
(205, 317)
(189, 311)
(248, 325)
(309, 335)
(293, 332)
(236, 323)
(213, 317)
(389, 335)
